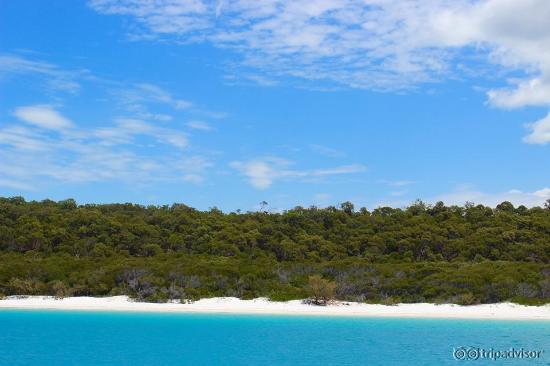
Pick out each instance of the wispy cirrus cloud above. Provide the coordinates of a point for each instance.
(199, 125)
(358, 43)
(369, 44)
(125, 130)
(349, 42)
(261, 173)
(54, 77)
(131, 96)
(51, 146)
(153, 92)
(139, 98)
(44, 145)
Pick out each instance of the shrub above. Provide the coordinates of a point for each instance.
(466, 299)
(59, 289)
(321, 291)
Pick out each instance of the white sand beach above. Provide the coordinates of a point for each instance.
(296, 307)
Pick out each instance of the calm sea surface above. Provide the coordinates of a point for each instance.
(100, 338)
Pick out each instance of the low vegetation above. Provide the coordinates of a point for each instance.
(468, 255)
(320, 290)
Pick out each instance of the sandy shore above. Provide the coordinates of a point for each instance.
(263, 306)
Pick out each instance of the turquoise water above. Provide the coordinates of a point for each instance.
(99, 338)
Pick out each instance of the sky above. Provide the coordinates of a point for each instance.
(306, 102)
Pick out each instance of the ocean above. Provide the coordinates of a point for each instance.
(31, 337)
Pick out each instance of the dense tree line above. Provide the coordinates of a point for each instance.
(463, 254)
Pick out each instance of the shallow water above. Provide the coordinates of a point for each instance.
(103, 338)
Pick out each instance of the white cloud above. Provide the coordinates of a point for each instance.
(43, 116)
(126, 129)
(155, 116)
(372, 44)
(56, 78)
(23, 138)
(530, 92)
(359, 43)
(468, 193)
(263, 172)
(48, 148)
(517, 197)
(154, 92)
(540, 131)
(256, 79)
(135, 98)
(165, 16)
(14, 64)
(85, 161)
(352, 42)
(344, 169)
(516, 36)
(199, 125)
(119, 152)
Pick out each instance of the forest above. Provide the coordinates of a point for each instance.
(422, 253)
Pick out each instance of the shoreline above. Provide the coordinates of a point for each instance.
(262, 306)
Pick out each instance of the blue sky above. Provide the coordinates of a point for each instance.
(229, 103)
